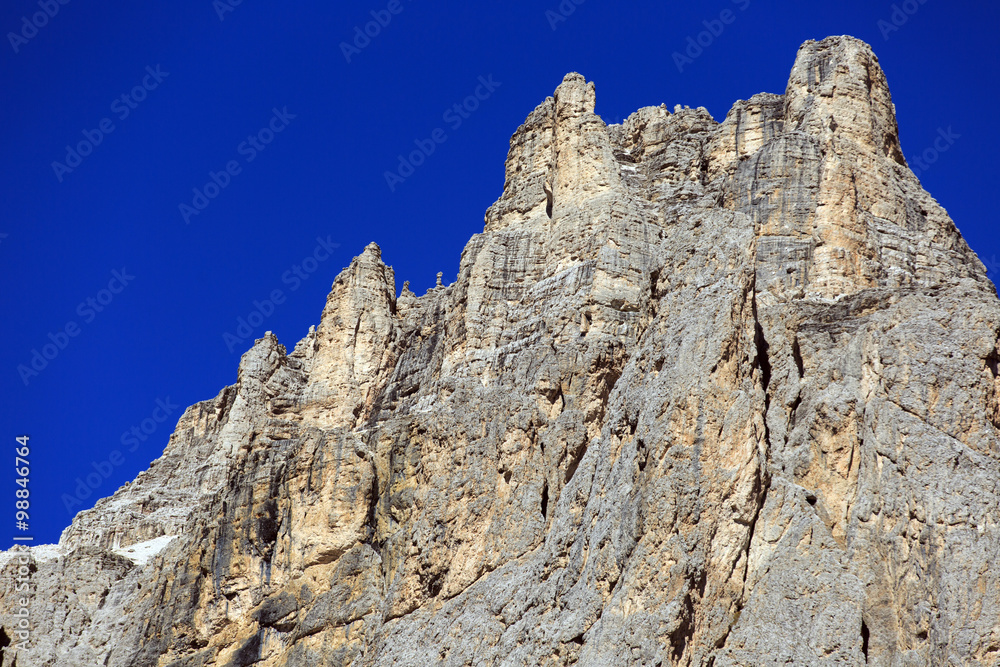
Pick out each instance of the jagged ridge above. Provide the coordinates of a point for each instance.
(702, 394)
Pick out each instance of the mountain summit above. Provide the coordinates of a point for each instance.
(703, 393)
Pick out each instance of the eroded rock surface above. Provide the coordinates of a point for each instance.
(702, 394)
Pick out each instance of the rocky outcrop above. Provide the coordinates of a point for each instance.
(702, 394)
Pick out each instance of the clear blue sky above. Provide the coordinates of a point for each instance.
(156, 332)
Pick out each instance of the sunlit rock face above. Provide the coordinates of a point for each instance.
(703, 393)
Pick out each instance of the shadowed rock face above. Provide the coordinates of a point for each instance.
(702, 394)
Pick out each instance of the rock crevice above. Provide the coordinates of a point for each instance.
(703, 393)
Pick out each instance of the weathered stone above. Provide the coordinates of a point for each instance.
(702, 394)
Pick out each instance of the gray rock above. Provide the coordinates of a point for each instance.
(702, 394)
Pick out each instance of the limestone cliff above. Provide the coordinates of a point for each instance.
(702, 394)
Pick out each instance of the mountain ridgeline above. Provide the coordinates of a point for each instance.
(703, 394)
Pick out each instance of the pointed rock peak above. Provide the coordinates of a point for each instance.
(836, 64)
(574, 96)
(367, 269)
(373, 250)
(827, 54)
(261, 360)
(355, 331)
(367, 282)
(562, 145)
(838, 90)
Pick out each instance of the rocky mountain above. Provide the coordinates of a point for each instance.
(703, 393)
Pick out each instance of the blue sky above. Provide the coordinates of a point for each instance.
(221, 155)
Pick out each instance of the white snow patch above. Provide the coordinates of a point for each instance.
(42, 553)
(141, 552)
